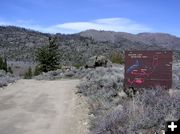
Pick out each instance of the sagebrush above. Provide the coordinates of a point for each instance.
(114, 113)
(6, 78)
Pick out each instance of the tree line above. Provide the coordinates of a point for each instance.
(4, 66)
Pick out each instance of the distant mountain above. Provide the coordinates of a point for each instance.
(167, 41)
(20, 44)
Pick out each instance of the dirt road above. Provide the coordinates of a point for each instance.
(41, 107)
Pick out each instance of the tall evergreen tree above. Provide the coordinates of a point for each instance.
(48, 56)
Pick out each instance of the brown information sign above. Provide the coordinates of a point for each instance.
(147, 69)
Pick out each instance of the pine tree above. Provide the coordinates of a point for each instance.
(48, 56)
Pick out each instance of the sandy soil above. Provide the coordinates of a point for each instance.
(42, 107)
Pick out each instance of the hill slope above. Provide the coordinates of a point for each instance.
(160, 39)
(19, 44)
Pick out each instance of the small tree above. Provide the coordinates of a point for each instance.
(37, 71)
(3, 64)
(48, 56)
(10, 70)
(28, 74)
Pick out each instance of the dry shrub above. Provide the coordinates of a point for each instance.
(176, 75)
(145, 113)
(6, 78)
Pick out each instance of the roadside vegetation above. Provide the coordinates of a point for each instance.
(28, 74)
(4, 66)
(6, 78)
(112, 111)
(6, 73)
(47, 58)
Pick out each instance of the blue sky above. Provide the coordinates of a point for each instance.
(72, 16)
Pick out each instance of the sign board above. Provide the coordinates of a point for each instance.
(148, 69)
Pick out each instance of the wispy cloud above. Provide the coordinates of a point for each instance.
(107, 24)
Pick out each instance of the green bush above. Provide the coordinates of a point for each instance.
(117, 58)
(77, 65)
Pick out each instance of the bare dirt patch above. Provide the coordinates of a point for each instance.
(42, 107)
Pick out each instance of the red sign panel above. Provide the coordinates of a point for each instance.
(147, 69)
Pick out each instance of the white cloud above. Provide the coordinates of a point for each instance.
(107, 24)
